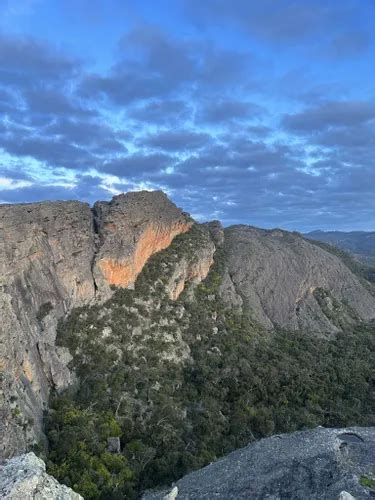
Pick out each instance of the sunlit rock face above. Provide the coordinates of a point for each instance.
(55, 256)
(132, 227)
(191, 271)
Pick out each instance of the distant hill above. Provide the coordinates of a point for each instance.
(361, 244)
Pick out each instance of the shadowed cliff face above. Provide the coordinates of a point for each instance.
(46, 251)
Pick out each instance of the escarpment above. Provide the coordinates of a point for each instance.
(57, 256)
(46, 250)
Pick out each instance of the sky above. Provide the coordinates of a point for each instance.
(246, 111)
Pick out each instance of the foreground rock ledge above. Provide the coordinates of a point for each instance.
(25, 478)
(321, 464)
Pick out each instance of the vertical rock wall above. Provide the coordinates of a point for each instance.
(55, 256)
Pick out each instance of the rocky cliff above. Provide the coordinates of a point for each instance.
(131, 228)
(46, 256)
(57, 256)
(54, 257)
(322, 464)
(287, 282)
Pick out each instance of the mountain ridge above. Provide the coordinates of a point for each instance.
(180, 285)
(361, 244)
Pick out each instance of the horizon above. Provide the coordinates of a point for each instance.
(269, 228)
(251, 112)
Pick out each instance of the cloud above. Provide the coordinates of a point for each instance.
(330, 114)
(53, 102)
(53, 152)
(138, 164)
(86, 188)
(153, 65)
(26, 61)
(361, 136)
(286, 22)
(89, 134)
(161, 112)
(346, 45)
(183, 140)
(227, 110)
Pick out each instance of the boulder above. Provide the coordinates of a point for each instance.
(24, 477)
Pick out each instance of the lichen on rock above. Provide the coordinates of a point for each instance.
(25, 477)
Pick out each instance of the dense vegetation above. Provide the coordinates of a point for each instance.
(183, 382)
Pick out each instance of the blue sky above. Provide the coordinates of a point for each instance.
(256, 112)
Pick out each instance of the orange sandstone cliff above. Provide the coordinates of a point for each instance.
(131, 228)
(55, 256)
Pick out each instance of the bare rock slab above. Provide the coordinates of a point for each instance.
(24, 477)
(321, 464)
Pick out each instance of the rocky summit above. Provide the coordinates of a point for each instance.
(322, 464)
(286, 281)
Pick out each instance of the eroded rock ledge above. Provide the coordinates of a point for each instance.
(321, 464)
(25, 477)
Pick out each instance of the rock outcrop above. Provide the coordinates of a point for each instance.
(288, 282)
(25, 477)
(132, 227)
(193, 265)
(55, 256)
(46, 253)
(321, 464)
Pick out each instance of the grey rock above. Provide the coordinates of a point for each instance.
(46, 253)
(217, 232)
(24, 477)
(52, 255)
(344, 495)
(114, 445)
(172, 495)
(276, 275)
(321, 464)
(192, 268)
